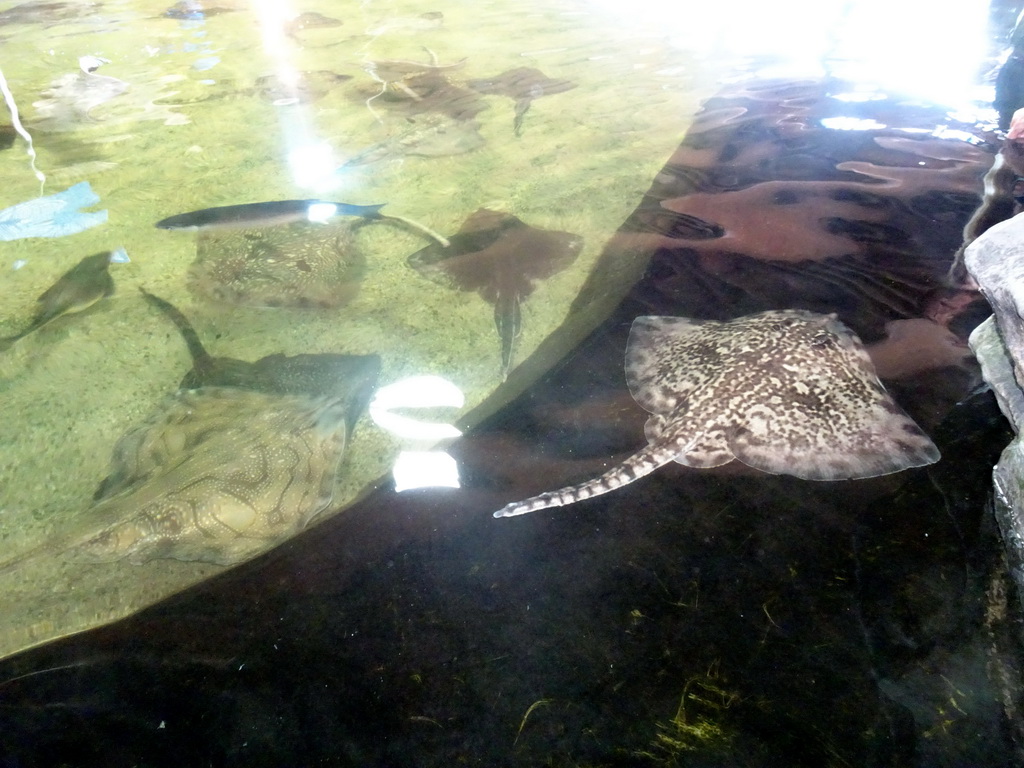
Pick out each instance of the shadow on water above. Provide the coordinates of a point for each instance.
(721, 617)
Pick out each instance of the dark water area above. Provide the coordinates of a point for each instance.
(720, 617)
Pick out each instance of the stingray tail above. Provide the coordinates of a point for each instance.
(11, 563)
(9, 341)
(414, 225)
(509, 322)
(636, 466)
(200, 357)
(366, 211)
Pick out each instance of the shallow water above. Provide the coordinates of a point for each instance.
(715, 617)
(194, 128)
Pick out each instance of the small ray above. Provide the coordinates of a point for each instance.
(76, 290)
(46, 12)
(786, 392)
(433, 136)
(301, 88)
(416, 87)
(68, 104)
(499, 257)
(395, 72)
(523, 84)
(309, 20)
(192, 10)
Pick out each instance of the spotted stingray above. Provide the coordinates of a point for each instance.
(215, 474)
(236, 472)
(787, 392)
(298, 264)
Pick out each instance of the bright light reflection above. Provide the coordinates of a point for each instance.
(309, 159)
(425, 469)
(311, 164)
(859, 96)
(321, 213)
(919, 48)
(416, 467)
(942, 132)
(851, 124)
(416, 392)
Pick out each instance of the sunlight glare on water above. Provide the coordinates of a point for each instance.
(922, 49)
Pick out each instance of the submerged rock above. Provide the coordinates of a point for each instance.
(996, 262)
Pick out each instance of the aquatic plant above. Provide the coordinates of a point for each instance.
(698, 724)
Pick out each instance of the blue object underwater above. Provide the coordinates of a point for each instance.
(52, 216)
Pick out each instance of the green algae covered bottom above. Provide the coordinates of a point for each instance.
(198, 126)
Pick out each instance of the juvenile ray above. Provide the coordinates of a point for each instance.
(46, 13)
(432, 136)
(301, 88)
(396, 72)
(310, 20)
(786, 392)
(414, 88)
(501, 258)
(523, 84)
(190, 10)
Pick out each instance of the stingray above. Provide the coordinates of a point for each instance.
(237, 461)
(191, 10)
(228, 474)
(68, 104)
(395, 72)
(309, 20)
(523, 84)
(787, 392)
(434, 136)
(301, 88)
(349, 377)
(301, 264)
(423, 85)
(313, 375)
(83, 285)
(500, 258)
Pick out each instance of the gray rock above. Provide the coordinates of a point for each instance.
(996, 262)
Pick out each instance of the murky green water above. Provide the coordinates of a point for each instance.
(196, 127)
